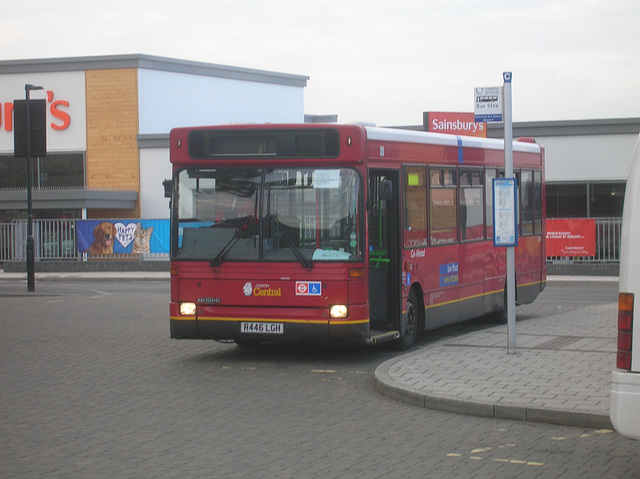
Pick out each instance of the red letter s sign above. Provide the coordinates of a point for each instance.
(60, 115)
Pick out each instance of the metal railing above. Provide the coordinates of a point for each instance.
(55, 239)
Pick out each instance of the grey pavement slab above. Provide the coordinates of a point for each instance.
(560, 373)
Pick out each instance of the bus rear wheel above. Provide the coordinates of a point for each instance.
(410, 323)
(499, 316)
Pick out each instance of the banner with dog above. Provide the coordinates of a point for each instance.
(111, 237)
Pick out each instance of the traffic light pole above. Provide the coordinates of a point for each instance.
(31, 275)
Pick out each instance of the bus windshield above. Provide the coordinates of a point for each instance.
(288, 214)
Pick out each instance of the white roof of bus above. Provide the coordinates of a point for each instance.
(392, 134)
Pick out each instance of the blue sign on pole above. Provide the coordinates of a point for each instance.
(505, 217)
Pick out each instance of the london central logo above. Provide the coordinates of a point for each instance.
(260, 290)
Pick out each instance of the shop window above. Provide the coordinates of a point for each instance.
(13, 173)
(61, 171)
(51, 171)
(606, 200)
(567, 200)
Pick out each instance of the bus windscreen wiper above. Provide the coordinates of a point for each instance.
(308, 264)
(243, 228)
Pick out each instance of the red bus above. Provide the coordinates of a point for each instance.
(342, 232)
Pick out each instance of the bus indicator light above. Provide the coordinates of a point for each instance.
(625, 302)
(357, 272)
(625, 330)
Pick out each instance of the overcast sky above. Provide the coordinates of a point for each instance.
(379, 61)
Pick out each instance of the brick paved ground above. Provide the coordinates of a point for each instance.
(561, 372)
(92, 387)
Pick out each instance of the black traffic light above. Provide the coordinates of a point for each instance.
(38, 117)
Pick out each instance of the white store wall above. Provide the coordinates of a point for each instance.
(588, 157)
(169, 100)
(154, 169)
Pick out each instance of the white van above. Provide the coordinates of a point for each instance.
(625, 380)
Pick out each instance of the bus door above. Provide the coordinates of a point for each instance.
(384, 250)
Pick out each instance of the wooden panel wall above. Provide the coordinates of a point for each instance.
(113, 160)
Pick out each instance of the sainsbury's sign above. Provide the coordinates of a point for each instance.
(454, 124)
(64, 94)
(58, 109)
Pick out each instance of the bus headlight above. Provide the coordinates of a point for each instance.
(339, 311)
(187, 309)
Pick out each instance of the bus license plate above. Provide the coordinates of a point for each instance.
(262, 328)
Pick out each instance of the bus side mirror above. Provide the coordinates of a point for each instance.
(385, 190)
(168, 188)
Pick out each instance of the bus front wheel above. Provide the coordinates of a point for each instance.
(410, 323)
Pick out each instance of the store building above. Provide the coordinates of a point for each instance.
(107, 118)
(587, 162)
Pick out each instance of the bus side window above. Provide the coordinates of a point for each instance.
(443, 206)
(526, 202)
(537, 201)
(489, 175)
(415, 206)
(516, 175)
(377, 216)
(471, 216)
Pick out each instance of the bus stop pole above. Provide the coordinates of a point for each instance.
(508, 167)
